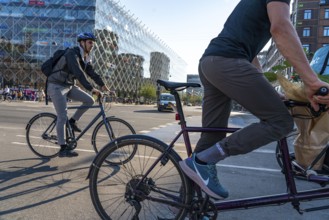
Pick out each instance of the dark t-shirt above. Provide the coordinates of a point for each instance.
(245, 33)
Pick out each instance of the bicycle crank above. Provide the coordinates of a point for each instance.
(203, 209)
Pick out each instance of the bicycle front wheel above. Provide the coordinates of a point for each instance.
(41, 135)
(117, 128)
(123, 191)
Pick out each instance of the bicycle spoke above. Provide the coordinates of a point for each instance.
(41, 135)
(164, 182)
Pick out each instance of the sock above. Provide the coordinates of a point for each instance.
(199, 161)
(212, 155)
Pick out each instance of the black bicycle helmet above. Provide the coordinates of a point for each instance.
(86, 36)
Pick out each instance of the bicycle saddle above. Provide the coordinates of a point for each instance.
(178, 86)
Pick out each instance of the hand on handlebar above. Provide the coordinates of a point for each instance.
(107, 91)
(313, 95)
(97, 92)
(112, 93)
(321, 98)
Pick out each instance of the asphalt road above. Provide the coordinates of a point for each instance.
(32, 188)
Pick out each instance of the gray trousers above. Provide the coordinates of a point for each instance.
(59, 95)
(226, 79)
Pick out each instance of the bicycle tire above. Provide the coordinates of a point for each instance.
(43, 144)
(290, 141)
(111, 185)
(119, 128)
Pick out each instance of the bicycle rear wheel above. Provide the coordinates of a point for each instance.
(41, 135)
(118, 128)
(115, 191)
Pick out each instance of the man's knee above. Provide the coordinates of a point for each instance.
(89, 102)
(283, 126)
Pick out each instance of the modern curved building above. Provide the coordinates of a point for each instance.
(127, 54)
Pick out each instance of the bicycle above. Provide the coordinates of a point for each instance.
(6, 97)
(41, 131)
(151, 185)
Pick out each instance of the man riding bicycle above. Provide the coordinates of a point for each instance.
(74, 65)
(229, 70)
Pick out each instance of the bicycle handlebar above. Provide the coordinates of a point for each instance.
(322, 108)
(102, 97)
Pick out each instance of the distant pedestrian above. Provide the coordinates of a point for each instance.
(6, 92)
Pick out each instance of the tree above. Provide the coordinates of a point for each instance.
(148, 91)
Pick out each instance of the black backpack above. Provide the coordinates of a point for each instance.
(48, 65)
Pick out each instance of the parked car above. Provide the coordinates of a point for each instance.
(165, 102)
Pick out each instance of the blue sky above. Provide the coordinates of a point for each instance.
(186, 26)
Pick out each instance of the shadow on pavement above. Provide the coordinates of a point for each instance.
(35, 182)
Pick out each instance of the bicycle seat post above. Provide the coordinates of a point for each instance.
(179, 107)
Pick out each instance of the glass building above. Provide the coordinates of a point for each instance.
(127, 55)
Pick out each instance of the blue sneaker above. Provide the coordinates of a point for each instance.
(205, 176)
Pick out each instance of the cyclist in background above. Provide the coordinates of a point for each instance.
(229, 70)
(6, 92)
(74, 65)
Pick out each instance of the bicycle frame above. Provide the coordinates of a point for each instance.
(101, 113)
(293, 195)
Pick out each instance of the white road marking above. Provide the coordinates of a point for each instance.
(248, 168)
(184, 152)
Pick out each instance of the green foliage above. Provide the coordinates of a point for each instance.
(148, 91)
(194, 99)
(324, 78)
(281, 67)
(271, 76)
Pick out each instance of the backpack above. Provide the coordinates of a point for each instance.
(319, 61)
(48, 65)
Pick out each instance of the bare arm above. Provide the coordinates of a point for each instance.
(288, 43)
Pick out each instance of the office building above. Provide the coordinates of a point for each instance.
(127, 54)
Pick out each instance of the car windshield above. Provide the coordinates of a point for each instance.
(167, 97)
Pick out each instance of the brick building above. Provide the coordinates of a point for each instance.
(311, 19)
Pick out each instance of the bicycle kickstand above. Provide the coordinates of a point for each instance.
(296, 206)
